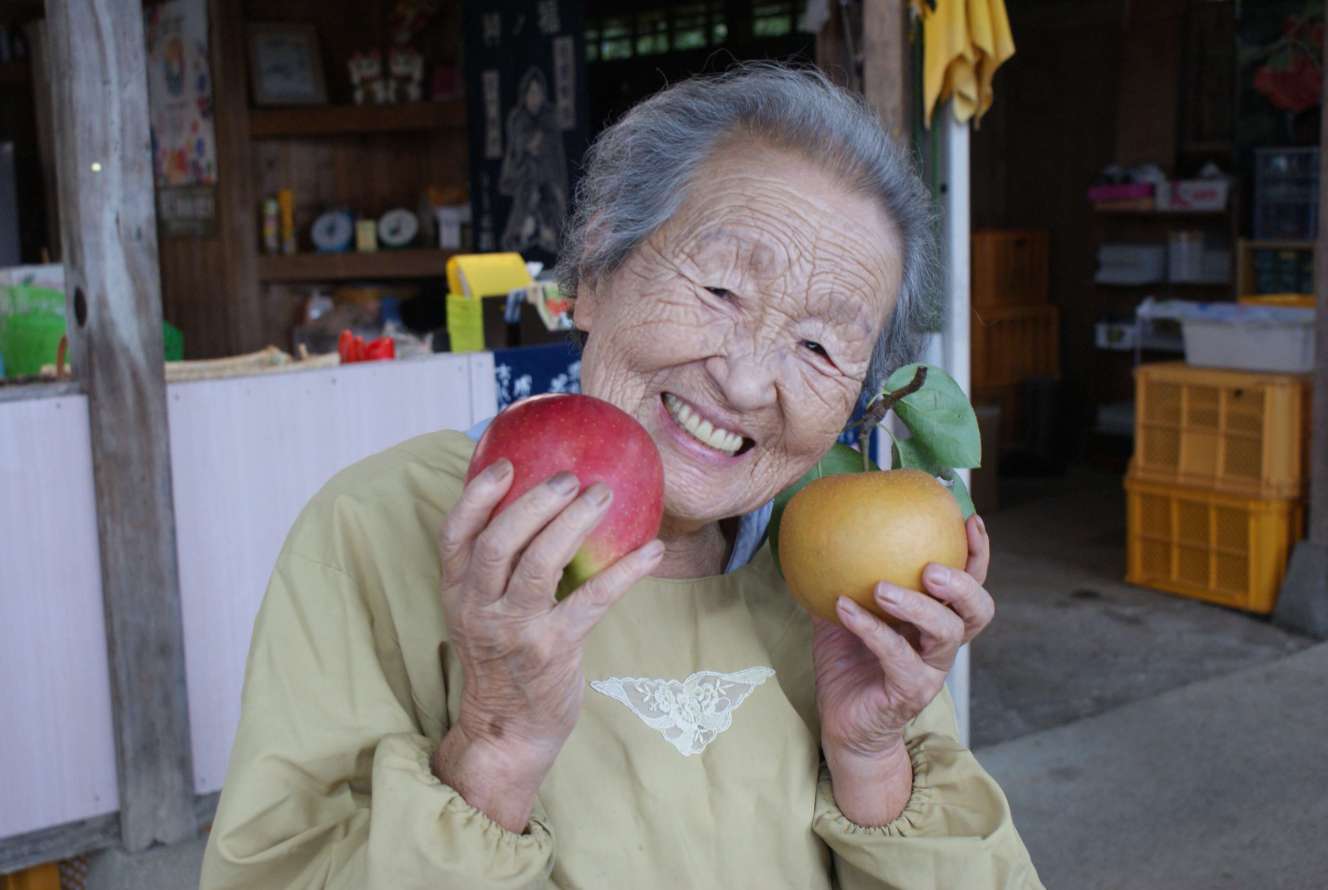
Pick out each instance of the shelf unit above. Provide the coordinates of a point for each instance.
(355, 120)
(1114, 385)
(1149, 213)
(383, 264)
(225, 294)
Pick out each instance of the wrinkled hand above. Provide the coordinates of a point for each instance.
(872, 679)
(520, 650)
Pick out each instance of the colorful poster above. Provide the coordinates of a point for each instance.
(184, 142)
(528, 128)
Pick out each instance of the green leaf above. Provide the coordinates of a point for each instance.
(914, 455)
(955, 483)
(939, 416)
(840, 459)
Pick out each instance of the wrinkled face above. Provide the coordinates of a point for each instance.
(739, 334)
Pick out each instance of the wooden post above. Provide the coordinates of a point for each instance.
(1318, 468)
(886, 73)
(41, 100)
(832, 52)
(881, 42)
(1302, 603)
(109, 241)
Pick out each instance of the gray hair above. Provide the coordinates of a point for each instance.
(637, 172)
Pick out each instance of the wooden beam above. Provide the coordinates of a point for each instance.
(237, 205)
(886, 69)
(20, 392)
(832, 52)
(109, 239)
(1318, 535)
(60, 842)
(41, 102)
(1302, 603)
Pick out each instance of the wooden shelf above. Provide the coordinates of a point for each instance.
(353, 120)
(1162, 285)
(1166, 214)
(1278, 245)
(410, 263)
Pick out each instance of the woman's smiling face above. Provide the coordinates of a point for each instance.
(739, 334)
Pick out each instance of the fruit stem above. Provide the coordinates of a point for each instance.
(880, 407)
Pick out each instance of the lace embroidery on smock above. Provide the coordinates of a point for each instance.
(689, 713)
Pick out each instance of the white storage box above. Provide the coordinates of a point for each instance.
(1193, 195)
(1251, 345)
(1131, 263)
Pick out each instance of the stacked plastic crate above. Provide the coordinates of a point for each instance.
(1217, 481)
(1014, 331)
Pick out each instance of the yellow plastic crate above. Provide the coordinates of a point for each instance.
(1293, 301)
(1238, 432)
(1210, 546)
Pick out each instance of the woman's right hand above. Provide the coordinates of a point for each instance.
(520, 650)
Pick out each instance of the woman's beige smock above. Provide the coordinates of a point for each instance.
(694, 763)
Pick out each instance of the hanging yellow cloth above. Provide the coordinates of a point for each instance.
(964, 42)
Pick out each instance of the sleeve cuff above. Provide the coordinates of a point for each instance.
(912, 821)
(422, 828)
(955, 830)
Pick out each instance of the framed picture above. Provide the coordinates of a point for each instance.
(286, 65)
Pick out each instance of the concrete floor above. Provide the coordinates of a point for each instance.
(1145, 741)
(1219, 785)
(1071, 639)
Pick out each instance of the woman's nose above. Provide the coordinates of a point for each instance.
(747, 380)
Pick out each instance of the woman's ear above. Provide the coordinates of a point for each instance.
(583, 310)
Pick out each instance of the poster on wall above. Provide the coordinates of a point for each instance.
(180, 108)
(527, 117)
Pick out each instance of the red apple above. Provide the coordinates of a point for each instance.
(595, 441)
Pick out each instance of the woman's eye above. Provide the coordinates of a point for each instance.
(722, 292)
(816, 348)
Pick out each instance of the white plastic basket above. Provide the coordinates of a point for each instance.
(1250, 346)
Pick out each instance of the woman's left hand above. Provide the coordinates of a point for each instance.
(871, 679)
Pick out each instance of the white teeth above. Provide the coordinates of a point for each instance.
(703, 430)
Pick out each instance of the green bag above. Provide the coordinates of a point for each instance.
(32, 321)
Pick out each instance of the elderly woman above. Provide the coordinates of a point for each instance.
(749, 253)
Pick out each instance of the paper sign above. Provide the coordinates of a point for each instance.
(465, 323)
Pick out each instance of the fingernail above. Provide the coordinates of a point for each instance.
(938, 575)
(848, 608)
(887, 593)
(600, 494)
(982, 526)
(653, 550)
(500, 469)
(563, 483)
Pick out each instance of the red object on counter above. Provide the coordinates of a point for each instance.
(352, 348)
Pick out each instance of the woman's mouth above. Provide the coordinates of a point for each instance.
(703, 431)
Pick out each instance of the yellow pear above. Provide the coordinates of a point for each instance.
(841, 535)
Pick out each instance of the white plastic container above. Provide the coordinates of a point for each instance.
(1127, 264)
(1250, 346)
(1185, 251)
